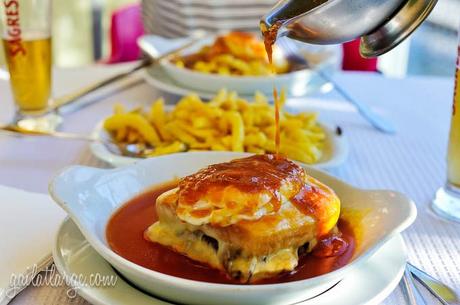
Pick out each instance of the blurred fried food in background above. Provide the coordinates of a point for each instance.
(236, 53)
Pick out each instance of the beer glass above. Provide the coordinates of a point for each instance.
(26, 35)
(447, 201)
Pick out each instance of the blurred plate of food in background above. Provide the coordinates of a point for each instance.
(226, 123)
(236, 61)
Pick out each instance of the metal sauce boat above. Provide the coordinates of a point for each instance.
(381, 24)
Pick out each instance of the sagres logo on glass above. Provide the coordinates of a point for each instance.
(25, 28)
(52, 278)
(13, 28)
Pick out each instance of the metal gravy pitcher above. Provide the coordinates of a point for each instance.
(381, 24)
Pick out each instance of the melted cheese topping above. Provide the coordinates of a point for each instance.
(227, 206)
(242, 189)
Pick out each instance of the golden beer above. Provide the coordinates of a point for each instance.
(453, 155)
(30, 72)
(447, 200)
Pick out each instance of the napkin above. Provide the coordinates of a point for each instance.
(28, 224)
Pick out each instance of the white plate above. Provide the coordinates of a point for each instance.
(157, 78)
(368, 284)
(335, 150)
(91, 195)
(167, 77)
(293, 82)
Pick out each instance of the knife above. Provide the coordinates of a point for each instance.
(150, 60)
(445, 294)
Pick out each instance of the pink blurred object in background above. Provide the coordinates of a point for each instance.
(353, 61)
(126, 27)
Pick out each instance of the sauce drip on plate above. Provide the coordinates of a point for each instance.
(305, 199)
(269, 39)
(277, 122)
(125, 236)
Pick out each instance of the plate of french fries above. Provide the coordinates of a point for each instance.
(236, 61)
(225, 123)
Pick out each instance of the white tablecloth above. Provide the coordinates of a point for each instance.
(412, 161)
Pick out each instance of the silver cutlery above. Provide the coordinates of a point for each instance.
(413, 295)
(147, 62)
(439, 290)
(442, 292)
(72, 97)
(125, 149)
(291, 53)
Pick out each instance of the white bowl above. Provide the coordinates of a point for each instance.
(92, 195)
(292, 82)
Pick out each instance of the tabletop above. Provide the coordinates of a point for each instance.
(412, 161)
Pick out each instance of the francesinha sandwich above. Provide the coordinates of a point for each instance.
(251, 218)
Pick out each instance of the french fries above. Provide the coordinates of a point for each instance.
(227, 122)
(235, 53)
(133, 121)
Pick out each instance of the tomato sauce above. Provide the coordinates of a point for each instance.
(125, 236)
